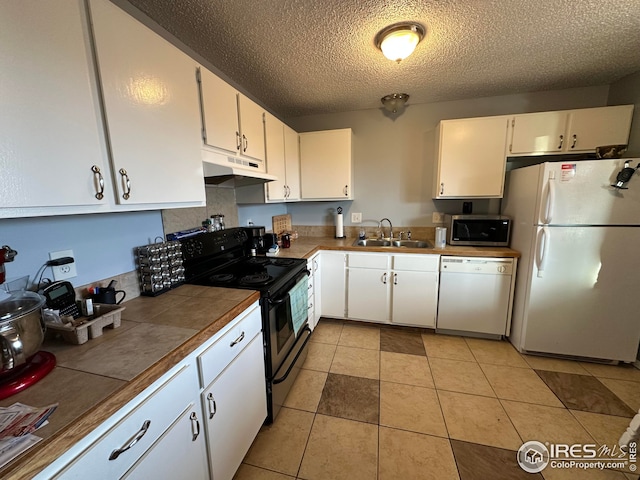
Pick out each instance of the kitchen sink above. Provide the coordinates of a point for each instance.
(412, 244)
(371, 242)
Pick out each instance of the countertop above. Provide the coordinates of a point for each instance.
(92, 381)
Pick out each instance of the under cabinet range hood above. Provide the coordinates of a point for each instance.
(237, 172)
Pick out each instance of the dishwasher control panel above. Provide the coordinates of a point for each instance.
(493, 266)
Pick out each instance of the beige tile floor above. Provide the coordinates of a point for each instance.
(364, 408)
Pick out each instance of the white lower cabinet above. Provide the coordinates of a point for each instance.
(235, 407)
(234, 396)
(400, 289)
(197, 421)
(313, 265)
(156, 420)
(333, 284)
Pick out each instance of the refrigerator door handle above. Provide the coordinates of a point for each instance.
(542, 250)
(551, 198)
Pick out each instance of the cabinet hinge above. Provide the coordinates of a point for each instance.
(513, 122)
(511, 147)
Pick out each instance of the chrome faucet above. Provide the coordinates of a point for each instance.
(390, 228)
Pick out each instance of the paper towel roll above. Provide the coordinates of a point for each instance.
(339, 226)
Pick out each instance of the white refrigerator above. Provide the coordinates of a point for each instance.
(578, 280)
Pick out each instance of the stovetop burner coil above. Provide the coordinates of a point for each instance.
(256, 279)
(222, 277)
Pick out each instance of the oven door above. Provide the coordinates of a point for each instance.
(280, 314)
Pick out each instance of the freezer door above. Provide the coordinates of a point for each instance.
(580, 193)
(585, 302)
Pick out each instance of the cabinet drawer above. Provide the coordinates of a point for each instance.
(215, 359)
(371, 260)
(416, 263)
(164, 404)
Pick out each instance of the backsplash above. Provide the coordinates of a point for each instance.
(219, 200)
(417, 233)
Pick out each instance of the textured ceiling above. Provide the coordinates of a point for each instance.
(302, 57)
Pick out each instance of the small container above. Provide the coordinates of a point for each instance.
(286, 240)
(441, 237)
(362, 235)
(253, 252)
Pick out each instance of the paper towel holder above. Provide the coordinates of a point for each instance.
(339, 224)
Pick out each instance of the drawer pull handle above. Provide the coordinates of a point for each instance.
(132, 441)
(195, 426)
(395, 278)
(213, 408)
(237, 340)
(126, 182)
(561, 142)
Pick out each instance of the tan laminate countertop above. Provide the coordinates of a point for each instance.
(92, 381)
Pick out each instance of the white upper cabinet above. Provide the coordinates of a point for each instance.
(50, 129)
(470, 155)
(570, 131)
(326, 168)
(151, 110)
(231, 122)
(283, 161)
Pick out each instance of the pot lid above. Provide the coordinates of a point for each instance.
(17, 304)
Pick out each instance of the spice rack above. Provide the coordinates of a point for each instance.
(160, 267)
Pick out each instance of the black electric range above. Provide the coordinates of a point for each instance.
(220, 259)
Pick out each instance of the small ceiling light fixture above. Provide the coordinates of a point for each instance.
(399, 40)
(394, 101)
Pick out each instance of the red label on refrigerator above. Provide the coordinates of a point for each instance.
(568, 171)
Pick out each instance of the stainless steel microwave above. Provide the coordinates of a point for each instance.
(478, 230)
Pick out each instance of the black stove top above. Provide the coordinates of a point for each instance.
(219, 259)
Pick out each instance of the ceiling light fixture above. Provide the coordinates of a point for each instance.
(394, 101)
(398, 41)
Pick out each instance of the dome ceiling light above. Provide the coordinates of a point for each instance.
(399, 40)
(394, 101)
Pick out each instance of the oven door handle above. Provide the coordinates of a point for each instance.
(285, 297)
(295, 359)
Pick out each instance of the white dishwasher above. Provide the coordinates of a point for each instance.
(475, 295)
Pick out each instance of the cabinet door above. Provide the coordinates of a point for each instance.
(368, 294)
(235, 407)
(219, 105)
(49, 121)
(151, 109)
(415, 298)
(325, 165)
(292, 160)
(471, 158)
(539, 133)
(274, 133)
(180, 453)
(332, 284)
(593, 127)
(251, 128)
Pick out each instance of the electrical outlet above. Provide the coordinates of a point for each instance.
(356, 217)
(63, 272)
(437, 217)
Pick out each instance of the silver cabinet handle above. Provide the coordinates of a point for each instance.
(561, 142)
(575, 139)
(395, 278)
(346, 190)
(195, 426)
(310, 306)
(237, 340)
(384, 278)
(100, 193)
(315, 265)
(245, 143)
(213, 408)
(442, 188)
(127, 184)
(238, 141)
(132, 441)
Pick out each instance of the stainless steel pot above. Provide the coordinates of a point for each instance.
(21, 328)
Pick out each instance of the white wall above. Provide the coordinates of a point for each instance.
(393, 156)
(623, 92)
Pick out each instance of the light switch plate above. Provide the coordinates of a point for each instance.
(356, 217)
(63, 272)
